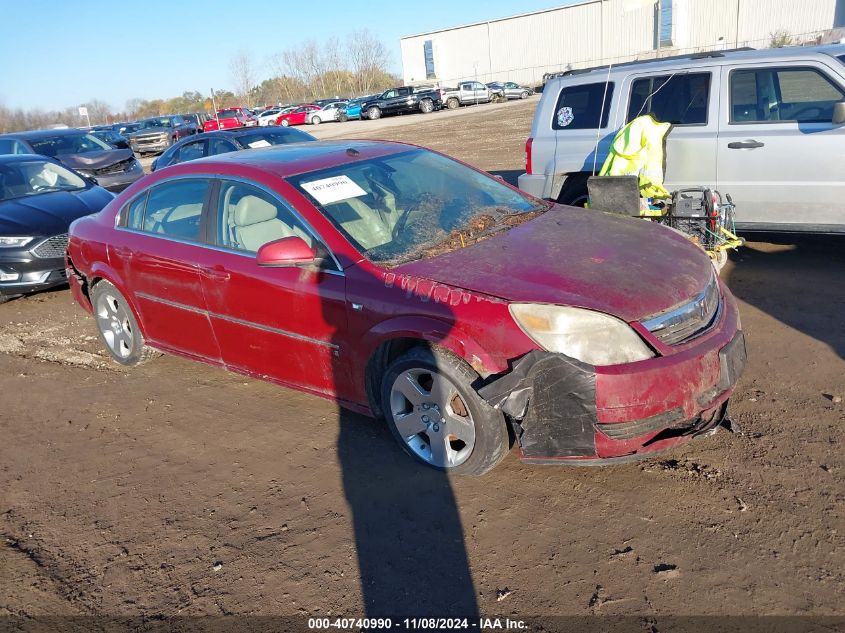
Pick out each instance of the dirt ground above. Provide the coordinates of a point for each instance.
(180, 489)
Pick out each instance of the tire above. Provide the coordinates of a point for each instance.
(5, 298)
(452, 103)
(285, 123)
(343, 118)
(479, 432)
(523, 94)
(373, 113)
(426, 106)
(315, 120)
(574, 191)
(117, 327)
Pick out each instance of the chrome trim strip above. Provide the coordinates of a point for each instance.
(223, 317)
(688, 314)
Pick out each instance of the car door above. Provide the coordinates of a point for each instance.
(688, 99)
(277, 323)
(160, 259)
(390, 100)
(778, 149)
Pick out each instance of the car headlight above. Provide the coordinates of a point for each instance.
(591, 337)
(14, 242)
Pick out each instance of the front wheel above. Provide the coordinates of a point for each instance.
(315, 120)
(523, 94)
(426, 106)
(373, 113)
(436, 415)
(285, 123)
(117, 326)
(343, 118)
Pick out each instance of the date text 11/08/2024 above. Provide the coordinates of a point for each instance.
(412, 624)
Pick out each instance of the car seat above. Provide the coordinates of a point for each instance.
(256, 223)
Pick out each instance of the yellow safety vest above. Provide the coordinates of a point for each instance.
(638, 150)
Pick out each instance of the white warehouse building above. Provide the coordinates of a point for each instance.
(524, 47)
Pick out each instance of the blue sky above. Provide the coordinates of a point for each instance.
(59, 53)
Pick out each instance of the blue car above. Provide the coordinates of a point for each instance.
(353, 108)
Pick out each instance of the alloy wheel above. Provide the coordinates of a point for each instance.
(432, 417)
(114, 324)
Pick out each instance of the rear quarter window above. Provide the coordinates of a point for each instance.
(680, 99)
(583, 107)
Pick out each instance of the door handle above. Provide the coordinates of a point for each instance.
(745, 144)
(216, 273)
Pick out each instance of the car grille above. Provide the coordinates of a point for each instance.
(688, 320)
(52, 247)
(117, 168)
(149, 139)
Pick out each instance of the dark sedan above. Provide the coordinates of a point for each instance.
(114, 169)
(223, 141)
(111, 137)
(39, 198)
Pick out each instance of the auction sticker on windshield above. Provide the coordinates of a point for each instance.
(333, 189)
(259, 143)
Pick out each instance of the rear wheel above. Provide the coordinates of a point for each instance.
(523, 94)
(436, 415)
(315, 120)
(574, 191)
(117, 326)
(285, 123)
(426, 106)
(343, 118)
(373, 113)
(452, 103)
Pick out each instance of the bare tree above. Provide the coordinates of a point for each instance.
(243, 75)
(368, 57)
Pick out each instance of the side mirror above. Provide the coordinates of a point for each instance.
(839, 113)
(286, 252)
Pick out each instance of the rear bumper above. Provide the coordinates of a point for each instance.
(565, 411)
(533, 184)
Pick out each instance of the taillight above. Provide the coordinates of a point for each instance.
(528, 144)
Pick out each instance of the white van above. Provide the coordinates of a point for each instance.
(766, 127)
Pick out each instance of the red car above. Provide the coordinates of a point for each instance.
(298, 116)
(404, 284)
(229, 119)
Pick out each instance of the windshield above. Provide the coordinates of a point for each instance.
(53, 146)
(414, 205)
(842, 58)
(273, 137)
(33, 177)
(156, 122)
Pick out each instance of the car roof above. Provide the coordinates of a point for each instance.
(707, 58)
(36, 134)
(297, 158)
(18, 158)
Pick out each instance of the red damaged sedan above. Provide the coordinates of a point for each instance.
(404, 284)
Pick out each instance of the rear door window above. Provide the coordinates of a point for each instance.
(680, 99)
(175, 209)
(583, 107)
(190, 151)
(220, 146)
(11, 146)
(773, 95)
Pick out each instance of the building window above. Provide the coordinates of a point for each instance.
(428, 53)
(664, 23)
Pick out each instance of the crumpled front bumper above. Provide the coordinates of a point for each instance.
(566, 411)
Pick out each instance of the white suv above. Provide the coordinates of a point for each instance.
(767, 127)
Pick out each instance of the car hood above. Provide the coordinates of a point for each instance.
(50, 213)
(628, 267)
(96, 160)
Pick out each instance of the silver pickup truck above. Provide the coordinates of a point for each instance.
(470, 93)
